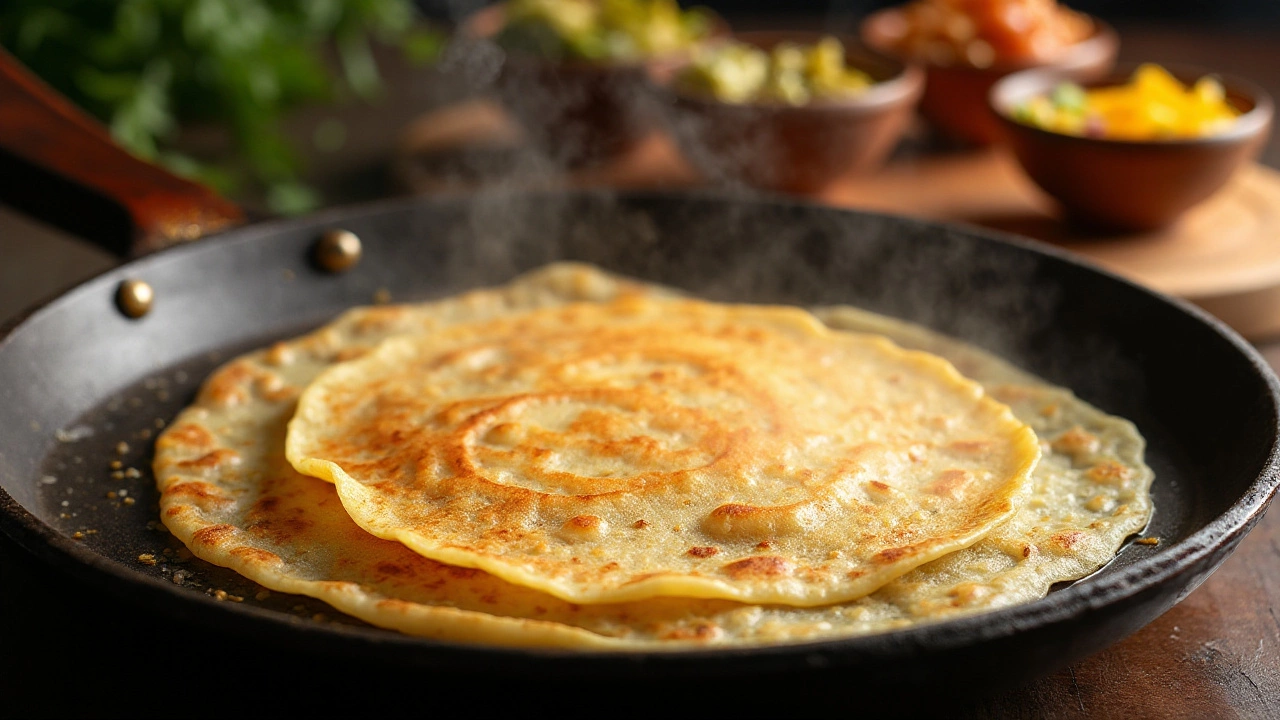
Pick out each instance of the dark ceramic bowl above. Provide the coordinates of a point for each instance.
(799, 149)
(1126, 184)
(955, 96)
(575, 111)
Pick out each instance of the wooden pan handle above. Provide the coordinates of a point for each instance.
(61, 165)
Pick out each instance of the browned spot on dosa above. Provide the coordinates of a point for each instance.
(740, 521)
(268, 518)
(394, 605)
(701, 631)
(967, 593)
(1108, 471)
(950, 483)
(213, 534)
(891, 555)
(1065, 541)
(228, 387)
(188, 435)
(255, 555)
(389, 569)
(350, 353)
(584, 522)
(201, 494)
(210, 459)
(278, 355)
(1076, 442)
(703, 552)
(763, 566)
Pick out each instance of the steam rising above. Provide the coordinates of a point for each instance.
(735, 244)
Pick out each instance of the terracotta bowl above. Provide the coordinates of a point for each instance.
(798, 149)
(1131, 185)
(576, 112)
(955, 96)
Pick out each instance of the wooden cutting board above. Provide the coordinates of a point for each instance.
(1223, 255)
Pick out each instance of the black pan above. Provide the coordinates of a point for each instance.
(1202, 396)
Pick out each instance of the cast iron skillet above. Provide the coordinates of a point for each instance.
(1204, 399)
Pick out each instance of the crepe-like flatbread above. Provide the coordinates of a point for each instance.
(230, 496)
(1090, 490)
(605, 452)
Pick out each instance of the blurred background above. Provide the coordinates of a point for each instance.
(287, 106)
(848, 11)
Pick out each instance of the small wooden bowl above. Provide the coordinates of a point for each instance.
(955, 96)
(578, 112)
(1126, 184)
(799, 149)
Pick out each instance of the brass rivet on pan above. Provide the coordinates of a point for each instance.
(338, 250)
(134, 298)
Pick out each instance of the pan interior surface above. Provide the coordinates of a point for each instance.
(77, 379)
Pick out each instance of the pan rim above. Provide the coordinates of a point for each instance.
(53, 547)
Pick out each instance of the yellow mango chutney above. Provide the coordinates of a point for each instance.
(1153, 105)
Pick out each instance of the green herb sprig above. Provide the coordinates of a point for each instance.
(144, 66)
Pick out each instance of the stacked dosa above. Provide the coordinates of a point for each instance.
(230, 495)
(615, 451)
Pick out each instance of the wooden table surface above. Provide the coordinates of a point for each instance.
(1217, 654)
